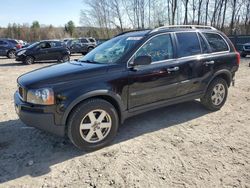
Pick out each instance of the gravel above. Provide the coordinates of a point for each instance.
(182, 145)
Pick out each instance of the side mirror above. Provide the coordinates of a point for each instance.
(142, 60)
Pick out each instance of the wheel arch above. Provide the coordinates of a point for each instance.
(111, 97)
(224, 74)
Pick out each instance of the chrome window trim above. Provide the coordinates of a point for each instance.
(180, 58)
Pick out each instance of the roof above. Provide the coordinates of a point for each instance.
(171, 28)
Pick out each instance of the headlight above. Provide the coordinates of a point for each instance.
(21, 52)
(43, 96)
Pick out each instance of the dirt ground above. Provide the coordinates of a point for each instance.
(178, 146)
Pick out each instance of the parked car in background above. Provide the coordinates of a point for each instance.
(245, 50)
(92, 40)
(43, 51)
(66, 40)
(8, 47)
(81, 45)
(132, 73)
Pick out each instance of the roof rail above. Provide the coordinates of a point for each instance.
(183, 26)
(129, 31)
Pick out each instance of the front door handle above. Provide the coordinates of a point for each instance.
(174, 69)
(209, 63)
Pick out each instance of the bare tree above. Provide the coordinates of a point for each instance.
(186, 11)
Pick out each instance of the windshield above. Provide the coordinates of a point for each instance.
(32, 45)
(112, 50)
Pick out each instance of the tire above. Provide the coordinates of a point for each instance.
(11, 54)
(216, 94)
(90, 49)
(243, 55)
(88, 138)
(64, 58)
(29, 60)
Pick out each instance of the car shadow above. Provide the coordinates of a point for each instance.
(1, 58)
(12, 64)
(29, 151)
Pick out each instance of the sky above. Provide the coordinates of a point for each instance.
(55, 12)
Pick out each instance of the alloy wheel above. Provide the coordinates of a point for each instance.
(218, 94)
(95, 126)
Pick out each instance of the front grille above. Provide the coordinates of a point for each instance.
(247, 47)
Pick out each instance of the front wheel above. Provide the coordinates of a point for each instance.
(29, 60)
(243, 55)
(93, 124)
(216, 94)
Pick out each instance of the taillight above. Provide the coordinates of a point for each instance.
(238, 57)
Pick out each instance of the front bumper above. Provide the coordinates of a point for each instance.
(20, 57)
(245, 50)
(37, 117)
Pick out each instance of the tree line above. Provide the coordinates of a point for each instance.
(103, 19)
(229, 16)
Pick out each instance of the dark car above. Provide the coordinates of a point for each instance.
(8, 47)
(81, 45)
(43, 51)
(132, 73)
(245, 50)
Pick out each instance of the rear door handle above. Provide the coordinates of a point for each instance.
(174, 69)
(209, 63)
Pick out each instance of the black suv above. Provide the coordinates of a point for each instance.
(8, 47)
(132, 73)
(43, 51)
(81, 45)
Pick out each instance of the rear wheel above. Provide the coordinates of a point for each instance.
(90, 49)
(29, 60)
(216, 94)
(93, 124)
(11, 54)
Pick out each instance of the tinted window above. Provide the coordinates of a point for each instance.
(204, 46)
(188, 44)
(216, 42)
(45, 45)
(91, 40)
(84, 41)
(159, 48)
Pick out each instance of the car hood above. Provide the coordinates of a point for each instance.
(61, 73)
(247, 44)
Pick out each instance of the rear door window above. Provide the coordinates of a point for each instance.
(216, 42)
(204, 46)
(84, 41)
(188, 44)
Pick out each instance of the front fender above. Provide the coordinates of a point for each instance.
(92, 94)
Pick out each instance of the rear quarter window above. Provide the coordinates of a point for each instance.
(216, 42)
(188, 44)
